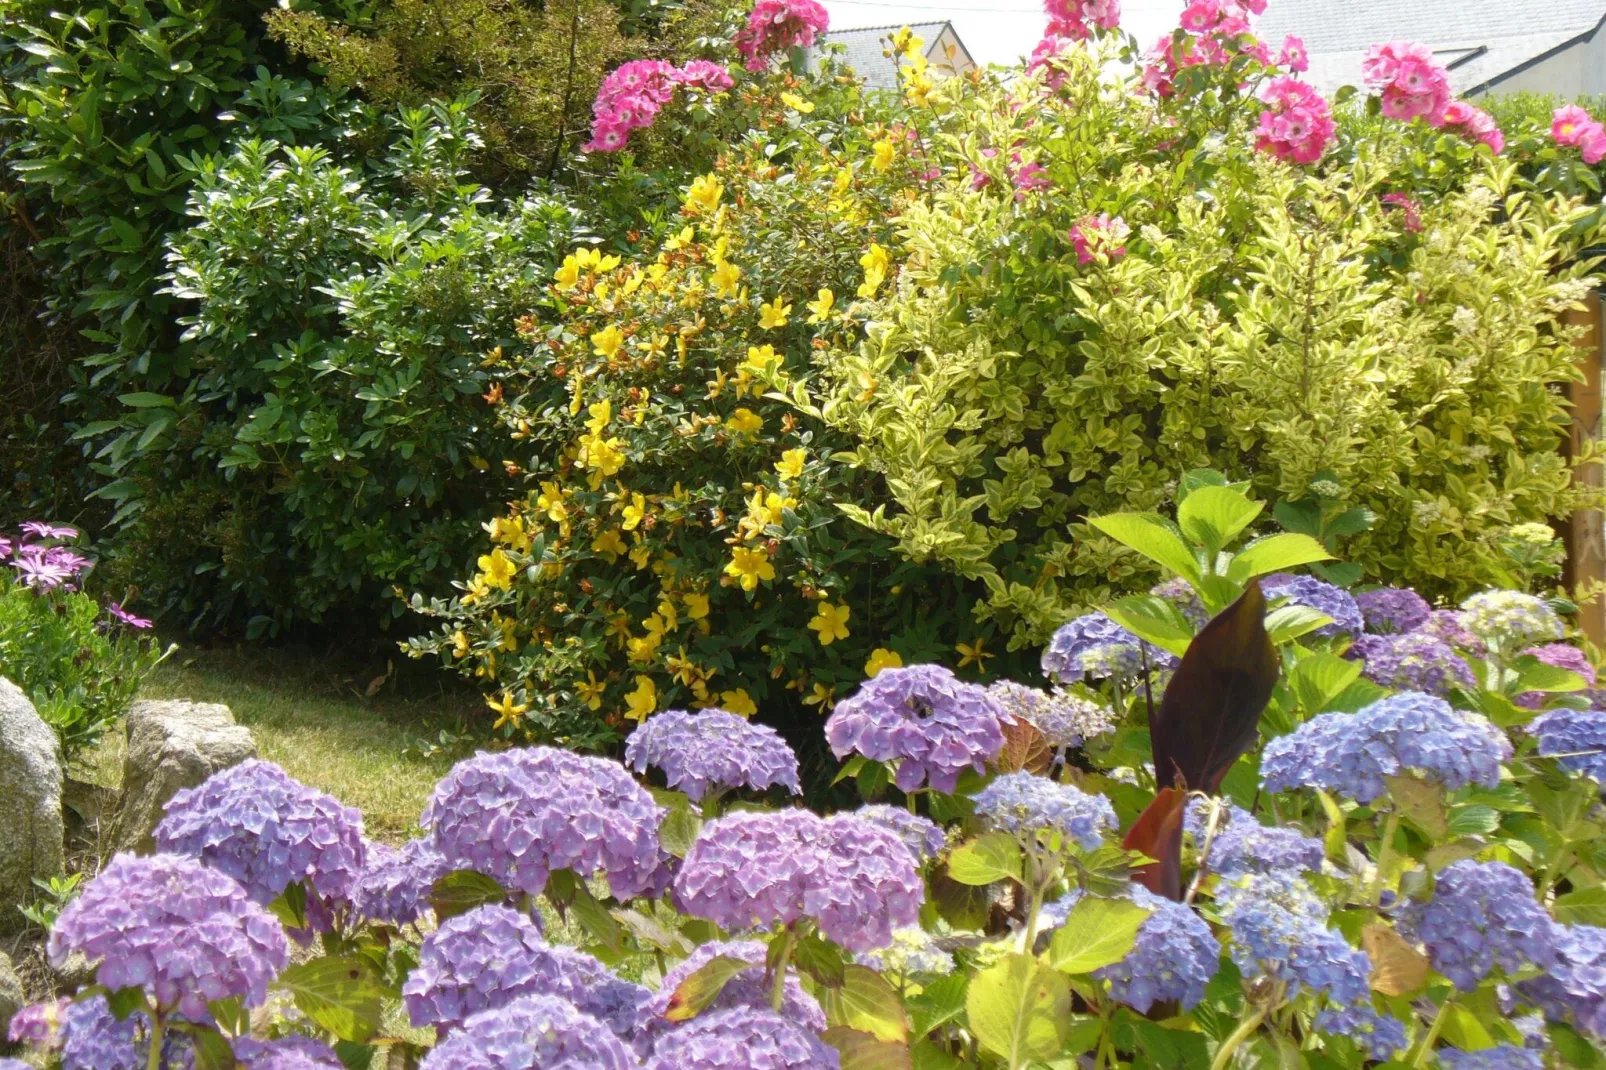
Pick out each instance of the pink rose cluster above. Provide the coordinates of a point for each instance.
(631, 96)
(1217, 31)
(777, 25)
(1050, 48)
(1408, 207)
(1296, 126)
(1100, 234)
(1414, 85)
(1574, 126)
(1075, 20)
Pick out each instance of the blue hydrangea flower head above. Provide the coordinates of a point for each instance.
(742, 1038)
(186, 934)
(1382, 1036)
(1415, 661)
(1279, 930)
(746, 989)
(1510, 620)
(712, 749)
(532, 1033)
(930, 722)
(1573, 989)
(1180, 593)
(1064, 718)
(1243, 845)
(92, 1038)
(267, 830)
(1482, 915)
(292, 1052)
(1499, 1057)
(1174, 958)
(492, 955)
(1028, 805)
(518, 815)
(1315, 594)
(761, 870)
(1576, 738)
(1393, 610)
(922, 836)
(1409, 732)
(394, 886)
(1094, 645)
(14, 1064)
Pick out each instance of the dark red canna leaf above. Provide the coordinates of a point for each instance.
(1158, 834)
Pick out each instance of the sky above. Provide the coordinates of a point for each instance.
(996, 31)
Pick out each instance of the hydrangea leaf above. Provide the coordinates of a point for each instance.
(1421, 803)
(1535, 675)
(700, 989)
(650, 933)
(1154, 619)
(1587, 906)
(462, 891)
(596, 920)
(1096, 933)
(679, 830)
(864, 1051)
(1275, 553)
(341, 993)
(987, 859)
(1153, 537)
(864, 1001)
(1398, 969)
(210, 1048)
(938, 1003)
(1287, 623)
(1320, 678)
(1020, 1008)
(1213, 515)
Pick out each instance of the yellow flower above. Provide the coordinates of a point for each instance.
(820, 310)
(460, 644)
(748, 567)
(773, 315)
(726, 278)
(875, 262)
(790, 466)
(643, 700)
(761, 361)
(635, 512)
(821, 696)
(508, 712)
(510, 633)
(645, 647)
(609, 544)
(640, 556)
(602, 455)
(738, 702)
(884, 153)
(696, 604)
(843, 181)
(606, 342)
(551, 502)
(973, 654)
(509, 531)
(882, 658)
(830, 622)
(907, 43)
(568, 274)
(745, 421)
(704, 194)
(497, 569)
(601, 416)
(681, 240)
(590, 692)
(797, 103)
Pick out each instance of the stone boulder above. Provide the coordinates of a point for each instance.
(31, 834)
(172, 744)
(12, 998)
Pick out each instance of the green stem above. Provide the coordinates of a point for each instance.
(1245, 1030)
(158, 1027)
(1552, 871)
(778, 986)
(1385, 855)
(1204, 852)
(1433, 1032)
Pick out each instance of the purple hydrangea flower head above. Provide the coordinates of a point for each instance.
(1393, 610)
(92, 1038)
(184, 933)
(852, 876)
(13, 1064)
(1180, 593)
(742, 1038)
(746, 989)
(1315, 594)
(1094, 645)
(1499, 1057)
(1174, 958)
(1065, 718)
(712, 749)
(291, 1052)
(38, 1025)
(267, 830)
(930, 722)
(1243, 845)
(493, 955)
(923, 837)
(1482, 915)
(532, 1033)
(1414, 661)
(1510, 620)
(1576, 738)
(394, 885)
(1573, 989)
(1410, 732)
(518, 815)
(1382, 1036)
(1446, 624)
(1562, 656)
(1028, 805)
(1279, 930)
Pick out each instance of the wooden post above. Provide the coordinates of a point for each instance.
(1582, 532)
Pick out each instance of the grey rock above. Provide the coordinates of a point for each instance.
(172, 744)
(31, 835)
(12, 998)
(76, 971)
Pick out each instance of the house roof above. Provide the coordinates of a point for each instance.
(863, 49)
(1480, 41)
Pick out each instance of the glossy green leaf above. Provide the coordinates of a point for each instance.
(992, 857)
(464, 890)
(1152, 537)
(1275, 553)
(1212, 516)
(341, 993)
(1020, 1009)
(700, 989)
(1097, 932)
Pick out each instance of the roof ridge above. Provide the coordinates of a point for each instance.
(889, 26)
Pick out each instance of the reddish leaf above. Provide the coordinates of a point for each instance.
(1158, 834)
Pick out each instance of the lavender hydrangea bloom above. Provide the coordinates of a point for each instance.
(1323, 597)
(92, 1038)
(930, 722)
(1499, 1057)
(712, 749)
(742, 1038)
(1393, 610)
(286, 1053)
(1562, 656)
(520, 814)
(1180, 593)
(1279, 930)
(532, 1033)
(1446, 624)
(855, 878)
(1243, 845)
(1028, 805)
(1405, 733)
(184, 933)
(493, 955)
(1382, 1036)
(1573, 990)
(394, 886)
(746, 989)
(1482, 915)
(924, 838)
(267, 830)
(38, 1025)
(1065, 719)
(1094, 645)
(1414, 661)
(1578, 735)
(14, 1064)
(1509, 620)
